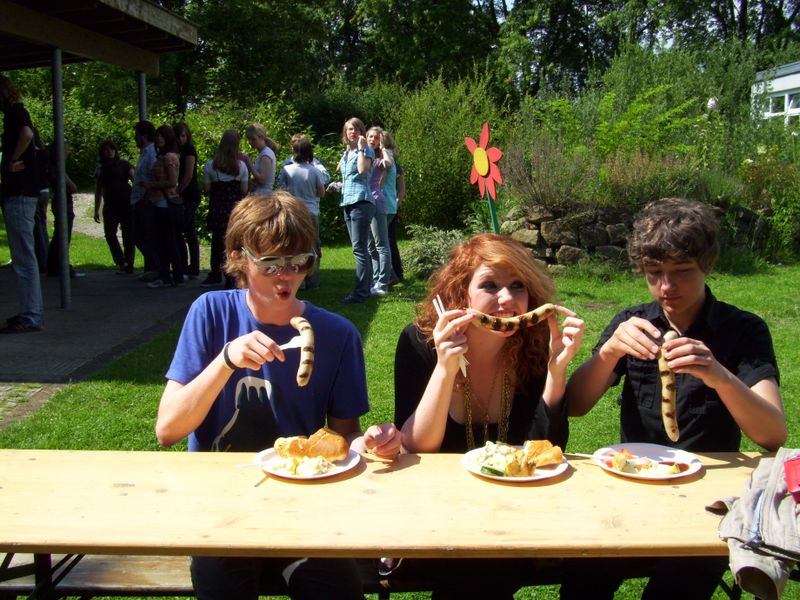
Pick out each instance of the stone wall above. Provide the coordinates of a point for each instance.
(569, 239)
(603, 232)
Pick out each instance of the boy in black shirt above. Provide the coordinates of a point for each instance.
(726, 376)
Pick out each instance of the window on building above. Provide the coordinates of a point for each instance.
(777, 104)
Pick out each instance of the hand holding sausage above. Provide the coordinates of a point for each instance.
(634, 338)
(687, 355)
(449, 339)
(564, 342)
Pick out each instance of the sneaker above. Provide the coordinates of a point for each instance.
(20, 326)
(148, 276)
(376, 291)
(156, 283)
(351, 299)
(211, 281)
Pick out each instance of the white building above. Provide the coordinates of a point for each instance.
(777, 92)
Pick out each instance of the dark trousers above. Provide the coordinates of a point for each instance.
(119, 216)
(679, 578)
(144, 233)
(190, 244)
(397, 265)
(169, 232)
(233, 578)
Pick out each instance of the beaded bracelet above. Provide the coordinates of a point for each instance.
(227, 359)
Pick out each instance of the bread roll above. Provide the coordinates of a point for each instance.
(325, 443)
(328, 444)
(291, 447)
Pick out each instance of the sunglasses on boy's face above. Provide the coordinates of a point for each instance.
(275, 265)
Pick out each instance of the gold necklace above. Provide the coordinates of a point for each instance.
(505, 410)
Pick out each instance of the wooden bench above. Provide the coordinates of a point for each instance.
(158, 576)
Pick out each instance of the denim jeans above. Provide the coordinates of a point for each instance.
(18, 212)
(380, 253)
(358, 218)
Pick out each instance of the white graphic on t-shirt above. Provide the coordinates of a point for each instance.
(252, 395)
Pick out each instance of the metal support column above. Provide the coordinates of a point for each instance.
(61, 180)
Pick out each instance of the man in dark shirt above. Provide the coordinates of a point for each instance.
(726, 379)
(20, 197)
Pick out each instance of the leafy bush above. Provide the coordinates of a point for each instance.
(632, 179)
(432, 125)
(428, 249)
(543, 172)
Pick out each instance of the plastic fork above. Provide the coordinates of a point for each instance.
(295, 342)
(463, 363)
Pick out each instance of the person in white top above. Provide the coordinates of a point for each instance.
(263, 169)
(306, 183)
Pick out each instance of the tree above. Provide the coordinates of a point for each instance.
(411, 40)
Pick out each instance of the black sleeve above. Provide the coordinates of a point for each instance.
(414, 360)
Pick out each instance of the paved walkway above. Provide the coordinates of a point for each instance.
(109, 315)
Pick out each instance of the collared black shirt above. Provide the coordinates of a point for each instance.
(739, 340)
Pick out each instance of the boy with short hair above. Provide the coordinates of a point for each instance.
(725, 366)
(229, 380)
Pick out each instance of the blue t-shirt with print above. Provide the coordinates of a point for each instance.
(257, 406)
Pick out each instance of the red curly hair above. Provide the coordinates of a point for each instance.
(528, 348)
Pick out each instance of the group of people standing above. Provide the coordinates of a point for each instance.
(153, 205)
(156, 213)
(372, 188)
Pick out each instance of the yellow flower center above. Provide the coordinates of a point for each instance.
(481, 161)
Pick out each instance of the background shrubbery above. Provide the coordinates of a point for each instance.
(640, 130)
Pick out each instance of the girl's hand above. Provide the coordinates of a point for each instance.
(383, 440)
(362, 142)
(564, 342)
(448, 337)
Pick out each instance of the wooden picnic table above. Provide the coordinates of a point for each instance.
(428, 505)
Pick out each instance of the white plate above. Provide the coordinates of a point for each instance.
(267, 457)
(653, 452)
(541, 473)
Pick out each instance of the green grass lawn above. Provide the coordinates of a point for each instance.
(115, 408)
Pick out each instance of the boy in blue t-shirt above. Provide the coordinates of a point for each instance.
(231, 388)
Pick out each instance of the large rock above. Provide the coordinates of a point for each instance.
(617, 233)
(592, 235)
(559, 233)
(510, 227)
(528, 237)
(571, 255)
(537, 214)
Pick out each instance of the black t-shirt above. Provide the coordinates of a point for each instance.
(24, 182)
(192, 192)
(740, 341)
(530, 419)
(114, 177)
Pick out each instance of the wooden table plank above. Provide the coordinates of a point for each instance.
(181, 503)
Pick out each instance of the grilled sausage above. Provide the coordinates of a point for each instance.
(306, 350)
(529, 319)
(669, 408)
